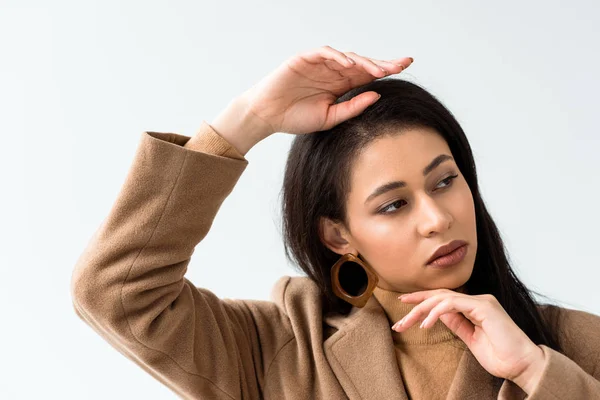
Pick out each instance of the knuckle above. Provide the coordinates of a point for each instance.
(439, 293)
(490, 298)
(447, 302)
(418, 311)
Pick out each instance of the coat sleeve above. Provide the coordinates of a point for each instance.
(129, 283)
(576, 373)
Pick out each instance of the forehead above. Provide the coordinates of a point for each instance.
(399, 156)
(409, 150)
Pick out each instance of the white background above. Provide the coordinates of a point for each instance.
(81, 80)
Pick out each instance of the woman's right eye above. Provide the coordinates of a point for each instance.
(385, 209)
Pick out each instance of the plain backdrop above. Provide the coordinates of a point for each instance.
(81, 80)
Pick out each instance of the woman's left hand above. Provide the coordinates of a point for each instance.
(500, 346)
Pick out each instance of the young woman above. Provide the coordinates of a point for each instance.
(380, 199)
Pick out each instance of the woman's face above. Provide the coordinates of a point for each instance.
(397, 230)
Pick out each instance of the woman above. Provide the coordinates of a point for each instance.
(380, 200)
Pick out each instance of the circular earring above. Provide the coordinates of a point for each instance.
(346, 286)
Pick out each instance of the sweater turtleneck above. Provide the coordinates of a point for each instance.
(427, 357)
(395, 310)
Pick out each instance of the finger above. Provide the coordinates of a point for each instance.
(392, 66)
(368, 65)
(452, 314)
(444, 306)
(389, 66)
(456, 304)
(334, 65)
(417, 297)
(343, 111)
(316, 56)
(460, 325)
(419, 312)
(404, 61)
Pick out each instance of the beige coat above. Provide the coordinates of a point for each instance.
(129, 285)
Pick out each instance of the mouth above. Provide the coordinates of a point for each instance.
(446, 249)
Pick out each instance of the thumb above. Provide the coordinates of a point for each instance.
(341, 112)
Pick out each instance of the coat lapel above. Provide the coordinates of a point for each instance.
(361, 354)
(472, 381)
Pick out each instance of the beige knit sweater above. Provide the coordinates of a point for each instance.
(427, 358)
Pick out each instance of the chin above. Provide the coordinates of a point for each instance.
(463, 277)
(457, 280)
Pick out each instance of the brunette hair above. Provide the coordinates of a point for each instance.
(317, 181)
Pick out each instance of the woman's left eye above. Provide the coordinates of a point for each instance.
(385, 210)
(449, 179)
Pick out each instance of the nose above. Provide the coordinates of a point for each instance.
(433, 218)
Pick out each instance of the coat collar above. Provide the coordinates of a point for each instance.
(372, 372)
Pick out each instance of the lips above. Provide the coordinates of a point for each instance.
(448, 248)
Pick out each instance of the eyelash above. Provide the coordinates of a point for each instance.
(384, 212)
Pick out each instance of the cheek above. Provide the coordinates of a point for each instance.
(464, 207)
(383, 238)
(373, 229)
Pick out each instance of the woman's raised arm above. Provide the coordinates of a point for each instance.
(129, 283)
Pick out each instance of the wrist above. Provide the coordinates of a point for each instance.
(239, 126)
(530, 377)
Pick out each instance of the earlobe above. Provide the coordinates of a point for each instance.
(333, 236)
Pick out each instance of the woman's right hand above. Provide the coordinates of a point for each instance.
(298, 96)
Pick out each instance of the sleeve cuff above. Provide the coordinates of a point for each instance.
(562, 378)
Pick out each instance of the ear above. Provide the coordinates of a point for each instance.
(335, 237)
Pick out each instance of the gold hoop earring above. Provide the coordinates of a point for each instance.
(357, 296)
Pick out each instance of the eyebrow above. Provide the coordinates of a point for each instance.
(400, 184)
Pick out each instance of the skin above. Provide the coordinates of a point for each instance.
(429, 212)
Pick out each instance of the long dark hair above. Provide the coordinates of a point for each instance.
(317, 181)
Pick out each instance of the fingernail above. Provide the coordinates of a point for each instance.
(397, 324)
(400, 297)
(411, 59)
